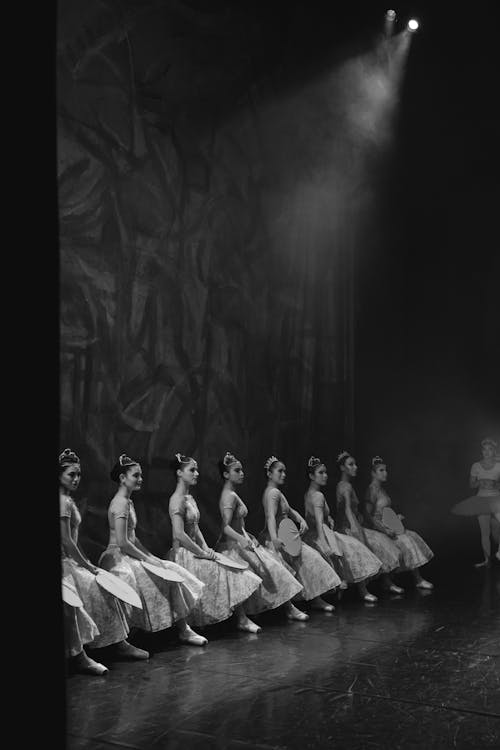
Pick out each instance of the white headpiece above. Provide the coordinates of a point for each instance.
(313, 462)
(269, 462)
(341, 456)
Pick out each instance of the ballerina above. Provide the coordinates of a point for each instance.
(350, 522)
(355, 563)
(278, 583)
(226, 591)
(104, 610)
(414, 551)
(313, 572)
(163, 602)
(485, 477)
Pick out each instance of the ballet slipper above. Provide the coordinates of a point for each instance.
(395, 589)
(297, 614)
(83, 664)
(483, 564)
(193, 639)
(369, 597)
(322, 606)
(247, 626)
(423, 584)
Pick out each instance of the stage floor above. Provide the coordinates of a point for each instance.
(417, 671)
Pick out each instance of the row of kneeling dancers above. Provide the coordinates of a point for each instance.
(244, 575)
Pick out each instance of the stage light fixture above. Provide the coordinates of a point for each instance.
(413, 24)
(391, 15)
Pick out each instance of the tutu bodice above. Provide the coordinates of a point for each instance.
(381, 496)
(315, 500)
(240, 512)
(68, 509)
(283, 508)
(121, 507)
(185, 506)
(191, 516)
(376, 500)
(489, 479)
(342, 519)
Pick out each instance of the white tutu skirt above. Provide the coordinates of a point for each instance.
(163, 602)
(79, 627)
(384, 548)
(414, 552)
(104, 609)
(478, 505)
(224, 589)
(316, 575)
(358, 562)
(277, 582)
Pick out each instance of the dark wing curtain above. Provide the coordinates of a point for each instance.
(206, 256)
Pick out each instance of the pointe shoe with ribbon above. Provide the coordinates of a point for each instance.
(394, 589)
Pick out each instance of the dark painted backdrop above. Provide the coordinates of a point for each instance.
(245, 268)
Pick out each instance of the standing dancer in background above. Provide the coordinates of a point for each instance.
(103, 608)
(313, 572)
(485, 477)
(414, 551)
(226, 591)
(163, 602)
(350, 520)
(357, 564)
(279, 584)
